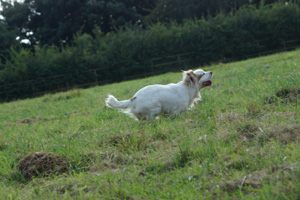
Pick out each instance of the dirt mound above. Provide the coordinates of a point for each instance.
(41, 165)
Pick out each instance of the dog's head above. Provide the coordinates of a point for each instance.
(197, 78)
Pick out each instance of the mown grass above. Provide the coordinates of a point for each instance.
(240, 142)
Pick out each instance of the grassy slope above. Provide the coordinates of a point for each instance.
(240, 141)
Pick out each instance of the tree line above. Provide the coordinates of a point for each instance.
(55, 22)
(71, 37)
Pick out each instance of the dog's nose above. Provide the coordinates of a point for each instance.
(211, 73)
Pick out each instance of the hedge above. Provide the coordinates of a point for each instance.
(133, 52)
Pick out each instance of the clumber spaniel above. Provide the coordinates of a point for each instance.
(171, 99)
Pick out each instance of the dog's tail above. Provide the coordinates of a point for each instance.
(112, 102)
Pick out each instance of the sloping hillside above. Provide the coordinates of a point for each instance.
(240, 142)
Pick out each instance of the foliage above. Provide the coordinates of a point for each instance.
(56, 21)
(15, 18)
(231, 145)
(129, 52)
(168, 10)
(177, 10)
(7, 41)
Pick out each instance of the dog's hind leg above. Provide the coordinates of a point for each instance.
(141, 117)
(153, 112)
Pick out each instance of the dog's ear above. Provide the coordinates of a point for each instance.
(200, 76)
(189, 78)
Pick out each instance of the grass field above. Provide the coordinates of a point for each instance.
(240, 142)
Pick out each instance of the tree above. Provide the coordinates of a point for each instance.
(16, 17)
(178, 10)
(56, 21)
(7, 40)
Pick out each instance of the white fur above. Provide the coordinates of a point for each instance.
(170, 99)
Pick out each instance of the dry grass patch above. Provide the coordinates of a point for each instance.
(284, 135)
(104, 166)
(26, 121)
(158, 169)
(38, 118)
(118, 158)
(253, 130)
(281, 133)
(288, 116)
(229, 117)
(257, 178)
(284, 95)
(63, 96)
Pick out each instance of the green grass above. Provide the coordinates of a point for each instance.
(240, 142)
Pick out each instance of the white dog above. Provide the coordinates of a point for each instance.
(171, 99)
